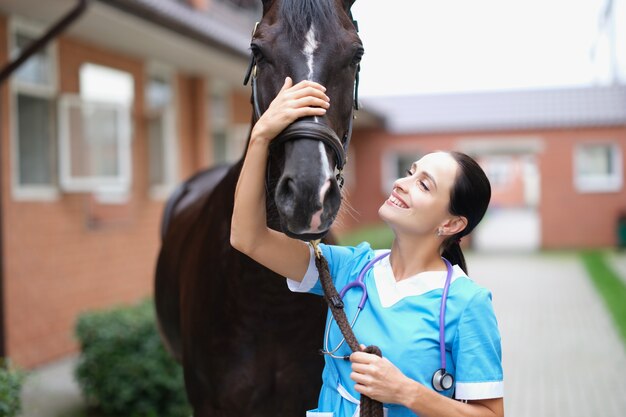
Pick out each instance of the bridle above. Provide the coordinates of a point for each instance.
(306, 129)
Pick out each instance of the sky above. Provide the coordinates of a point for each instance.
(439, 46)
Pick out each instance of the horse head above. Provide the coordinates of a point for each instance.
(307, 40)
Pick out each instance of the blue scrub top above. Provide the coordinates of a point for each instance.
(402, 319)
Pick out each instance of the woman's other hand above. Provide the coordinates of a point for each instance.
(307, 98)
(377, 378)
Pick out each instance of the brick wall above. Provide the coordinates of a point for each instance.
(569, 219)
(74, 254)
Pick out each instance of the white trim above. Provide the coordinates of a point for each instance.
(478, 390)
(170, 127)
(514, 144)
(120, 183)
(30, 28)
(219, 123)
(612, 182)
(310, 277)
(237, 139)
(25, 192)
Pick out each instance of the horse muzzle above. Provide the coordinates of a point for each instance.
(308, 199)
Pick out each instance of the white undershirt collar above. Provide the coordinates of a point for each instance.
(391, 291)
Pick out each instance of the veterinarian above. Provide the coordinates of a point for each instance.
(436, 327)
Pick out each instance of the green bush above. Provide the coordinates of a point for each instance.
(10, 386)
(123, 369)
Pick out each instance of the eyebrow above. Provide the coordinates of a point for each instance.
(426, 174)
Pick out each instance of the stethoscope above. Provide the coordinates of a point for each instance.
(442, 380)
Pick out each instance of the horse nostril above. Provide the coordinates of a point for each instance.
(286, 192)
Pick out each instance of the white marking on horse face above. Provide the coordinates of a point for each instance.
(316, 219)
(309, 48)
(326, 172)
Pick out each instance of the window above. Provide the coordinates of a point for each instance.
(499, 170)
(95, 131)
(219, 116)
(33, 96)
(395, 165)
(229, 140)
(160, 115)
(598, 168)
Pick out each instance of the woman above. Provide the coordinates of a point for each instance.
(442, 198)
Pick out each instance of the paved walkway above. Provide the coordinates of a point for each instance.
(562, 354)
(51, 391)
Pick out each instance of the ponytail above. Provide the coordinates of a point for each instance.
(469, 198)
(453, 253)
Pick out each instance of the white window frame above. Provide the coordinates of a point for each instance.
(389, 164)
(599, 184)
(223, 123)
(22, 192)
(237, 139)
(500, 170)
(112, 190)
(170, 142)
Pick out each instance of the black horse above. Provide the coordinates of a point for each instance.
(248, 346)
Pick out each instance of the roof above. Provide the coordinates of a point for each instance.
(226, 28)
(511, 110)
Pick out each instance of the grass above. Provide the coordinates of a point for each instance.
(379, 236)
(610, 287)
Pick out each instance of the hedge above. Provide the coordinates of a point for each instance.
(10, 387)
(123, 369)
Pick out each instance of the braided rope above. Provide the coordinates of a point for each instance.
(369, 407)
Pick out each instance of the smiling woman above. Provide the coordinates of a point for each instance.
(435, 326)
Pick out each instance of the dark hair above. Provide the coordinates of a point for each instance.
(469, 198)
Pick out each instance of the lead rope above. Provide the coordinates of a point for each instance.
(369, 407)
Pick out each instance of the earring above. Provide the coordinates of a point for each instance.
(439, 232)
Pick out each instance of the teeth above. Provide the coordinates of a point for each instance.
(397, 202)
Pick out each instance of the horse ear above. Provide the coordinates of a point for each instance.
(348, 4)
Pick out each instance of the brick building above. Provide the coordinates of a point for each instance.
(554, 158)
(96, 130)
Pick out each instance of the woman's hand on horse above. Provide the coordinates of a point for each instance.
(307, 98)
(378, 378)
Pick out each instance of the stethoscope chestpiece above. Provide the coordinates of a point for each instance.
(442, 380)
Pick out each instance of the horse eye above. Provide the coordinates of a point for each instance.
(256, 51)
(357, 56)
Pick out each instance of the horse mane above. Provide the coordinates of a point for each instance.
(299, 14)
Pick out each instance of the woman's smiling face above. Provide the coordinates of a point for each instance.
(419, 202)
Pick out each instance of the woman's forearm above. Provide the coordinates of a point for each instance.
(427, 403)
(381, 380)
(248, 221)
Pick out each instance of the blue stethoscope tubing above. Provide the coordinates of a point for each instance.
(441, 379)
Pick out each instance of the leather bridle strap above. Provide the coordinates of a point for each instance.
(308, 129)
